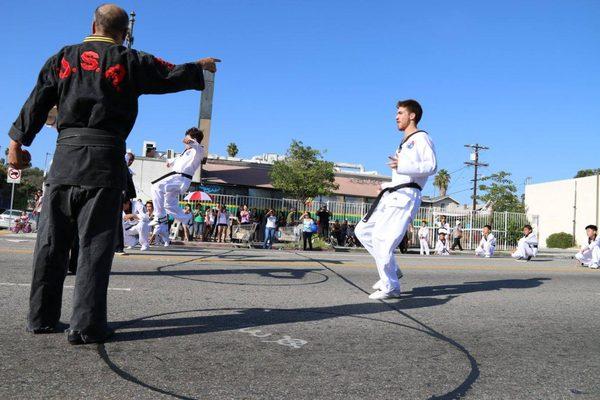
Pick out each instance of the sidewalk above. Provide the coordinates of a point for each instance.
(543, 253)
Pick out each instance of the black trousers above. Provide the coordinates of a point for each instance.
(307, 237)
(456, 243)
(92, 213)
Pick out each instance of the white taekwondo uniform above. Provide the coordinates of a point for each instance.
(442, 248)
(387, 222)
(527, 247)
(487, 246)
(137, 230)
(166, 189)
(590, 253)
(424, 240)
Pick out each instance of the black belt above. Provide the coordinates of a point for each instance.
(413, 185)
(171, 174)
(90, 137)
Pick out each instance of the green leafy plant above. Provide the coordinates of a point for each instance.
(561, 240)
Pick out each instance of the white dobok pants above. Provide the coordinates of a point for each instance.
(165, 196)
(524, 250)
(384, 231)
(589, 257)
(424, 246)
(161, 232)
(486, 250)
(136, 233)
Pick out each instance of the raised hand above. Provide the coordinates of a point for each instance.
(209, 64)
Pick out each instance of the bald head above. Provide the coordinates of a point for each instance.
(111, 20)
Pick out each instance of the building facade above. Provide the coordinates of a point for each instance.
(564, 206)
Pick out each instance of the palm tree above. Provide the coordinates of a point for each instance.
(232, 149)
(442, 181)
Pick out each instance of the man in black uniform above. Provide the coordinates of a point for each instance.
(96, 85)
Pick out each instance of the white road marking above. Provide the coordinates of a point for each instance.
(284, 341)
(66, 286)
(17, 240)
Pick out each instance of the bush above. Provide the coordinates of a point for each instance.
(560, 240)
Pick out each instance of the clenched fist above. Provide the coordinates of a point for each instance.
(17, 157)
(209, 64)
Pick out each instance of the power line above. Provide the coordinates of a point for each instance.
(475, 163)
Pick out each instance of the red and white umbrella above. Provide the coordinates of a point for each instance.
(197, 196)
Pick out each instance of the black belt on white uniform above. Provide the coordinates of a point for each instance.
(171, 174)
(413, 185)
(90, 137)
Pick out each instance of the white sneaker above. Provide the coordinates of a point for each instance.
(128, 247)
(145, 248)
(167, 243)
(381, 295)
(594, 266)
(377, 285)
(487, 256)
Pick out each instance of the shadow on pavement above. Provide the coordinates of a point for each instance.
(471, 287)
(151, 327)
(277, 273)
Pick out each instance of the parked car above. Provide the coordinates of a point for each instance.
(8, 217)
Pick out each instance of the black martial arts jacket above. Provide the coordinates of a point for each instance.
(96, 85)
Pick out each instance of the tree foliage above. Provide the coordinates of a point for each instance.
(587, 172)
(501, 191)
(442, 181)
(31, 181)
(303, 173)
(232, 149)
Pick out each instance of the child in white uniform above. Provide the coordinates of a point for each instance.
(527, 248)
(166, 189)
(135, 225)
(424, 239)
(487, 245)
(386, 223)
(589, 255)
(442, 247)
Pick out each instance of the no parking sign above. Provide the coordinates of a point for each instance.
(13, 175)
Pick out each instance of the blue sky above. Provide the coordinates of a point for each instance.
(518, 76)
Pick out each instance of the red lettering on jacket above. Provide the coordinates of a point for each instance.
(164, 63)
(89, 61)
(65, 69)
(115, 75)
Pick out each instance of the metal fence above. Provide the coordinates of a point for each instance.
(506, 226)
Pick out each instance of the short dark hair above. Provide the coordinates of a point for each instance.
(488, 226)
(195, 134)
(592, 227)
(412, 106)
(111, 19)
(528, 227)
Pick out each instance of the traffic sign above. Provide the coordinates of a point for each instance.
(13, 175)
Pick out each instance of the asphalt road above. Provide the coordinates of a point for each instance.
(242, 324)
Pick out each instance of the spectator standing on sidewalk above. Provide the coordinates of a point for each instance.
(324, 216)
(270, 226)
(308, 228)
(198, 226)
(457, 234)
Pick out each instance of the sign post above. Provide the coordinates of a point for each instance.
(13, 176)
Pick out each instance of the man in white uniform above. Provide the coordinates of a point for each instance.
(167, 188)
(135, 225)
(487, 245)
(386, 223)
(589, 255)
(527, 248)
(424, 239)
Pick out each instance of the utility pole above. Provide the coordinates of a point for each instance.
(475, 163)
